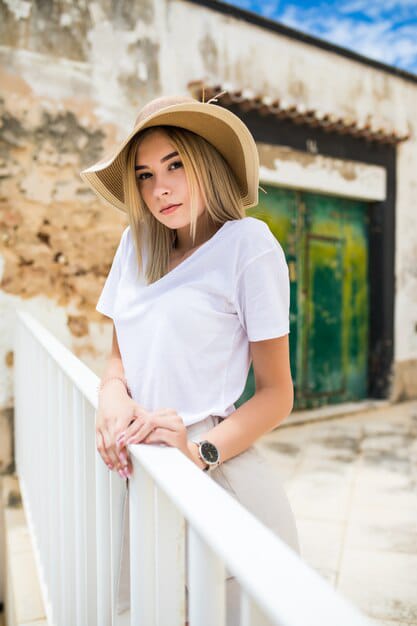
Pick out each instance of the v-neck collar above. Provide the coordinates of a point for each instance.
(203, 246)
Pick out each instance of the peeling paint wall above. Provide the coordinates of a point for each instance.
(50, 222)
(294, 169)
(73, 76)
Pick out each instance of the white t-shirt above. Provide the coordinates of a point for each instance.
(184, 339)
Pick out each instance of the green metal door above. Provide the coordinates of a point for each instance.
(279, 210)
(326, 245)
(322, 371)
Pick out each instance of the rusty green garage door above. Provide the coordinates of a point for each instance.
(326, 244)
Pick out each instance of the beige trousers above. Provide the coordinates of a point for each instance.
(250, 479)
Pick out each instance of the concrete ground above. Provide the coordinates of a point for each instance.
(352, 483)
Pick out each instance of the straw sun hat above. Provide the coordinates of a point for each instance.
(220, 127)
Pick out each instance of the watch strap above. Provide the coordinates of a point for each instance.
(197, 443)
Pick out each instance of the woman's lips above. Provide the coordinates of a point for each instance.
(170, 209)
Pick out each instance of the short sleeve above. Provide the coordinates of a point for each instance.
(107, 297)
(262, 296)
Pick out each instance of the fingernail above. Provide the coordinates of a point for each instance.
(126, 473)
(121, 473)
(110, 466)
(123, 458)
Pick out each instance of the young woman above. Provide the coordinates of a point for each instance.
(197, 291)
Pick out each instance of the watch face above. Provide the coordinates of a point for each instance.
(209, 452)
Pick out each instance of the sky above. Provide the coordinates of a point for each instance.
(384, 30)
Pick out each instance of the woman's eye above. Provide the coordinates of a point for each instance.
(176, 163)
(173, 165)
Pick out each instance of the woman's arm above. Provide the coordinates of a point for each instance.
(113, 368)
(269, 406)
(115, 411)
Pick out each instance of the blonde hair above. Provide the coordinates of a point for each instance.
(207, 172)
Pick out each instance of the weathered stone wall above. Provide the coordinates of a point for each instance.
(72, 78)
(57, 241)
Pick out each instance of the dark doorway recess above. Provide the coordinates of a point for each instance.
(269, 129)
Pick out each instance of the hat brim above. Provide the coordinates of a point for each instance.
(219, 126)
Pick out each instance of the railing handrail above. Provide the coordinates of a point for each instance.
(78, 372)
(267, 569)
(262, 568)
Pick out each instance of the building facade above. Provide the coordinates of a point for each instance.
(337, 141)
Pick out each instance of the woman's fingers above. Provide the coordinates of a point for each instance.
(138, 426)
(129, 467)
(113, 439)
(112, 450)
(101, 449)
(108, 436)
(163, 435)
(137, 432)
(105, 454)
(124, 464)
(113, 444)
(123, 455)
(133, 424)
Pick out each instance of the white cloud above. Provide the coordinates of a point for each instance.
(270, 8)
(385, 30)
(376, 8)
(384, 39)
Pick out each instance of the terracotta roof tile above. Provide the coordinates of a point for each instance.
(248, 100)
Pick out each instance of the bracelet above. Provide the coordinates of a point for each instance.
(123, 380)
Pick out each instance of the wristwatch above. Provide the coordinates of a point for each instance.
(208, 453)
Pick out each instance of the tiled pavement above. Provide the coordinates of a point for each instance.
(352, 484)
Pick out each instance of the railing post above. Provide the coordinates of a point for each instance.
(117, 500)
(53, 483)
(142, 548)
(66, 486)
(250, 613)
(104, 606)
(90, 481)
(206, 575)
(170, 562)
(44, 530)
(80, 520)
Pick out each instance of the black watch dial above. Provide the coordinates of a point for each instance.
(209, 452)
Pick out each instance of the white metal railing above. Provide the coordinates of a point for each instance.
(73, 505)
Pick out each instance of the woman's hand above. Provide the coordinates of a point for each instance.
(115, 412)
(161, 426)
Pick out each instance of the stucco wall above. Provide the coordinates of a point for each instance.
(73, 77)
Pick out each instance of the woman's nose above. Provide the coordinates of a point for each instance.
(160, 189)
(160, 193)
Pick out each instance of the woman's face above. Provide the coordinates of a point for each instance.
(162, 182)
